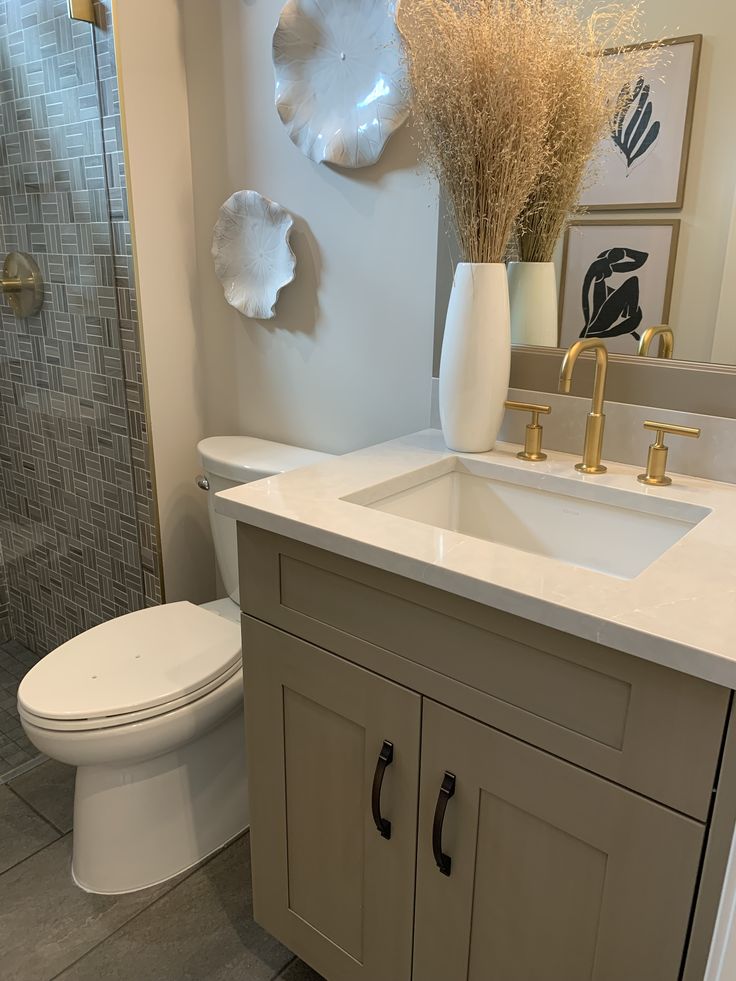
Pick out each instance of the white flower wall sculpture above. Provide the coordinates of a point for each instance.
(341, 86)
(253, 258)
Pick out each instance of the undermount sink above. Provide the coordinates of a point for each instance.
(615, 532)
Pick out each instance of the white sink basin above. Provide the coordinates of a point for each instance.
(616, 532)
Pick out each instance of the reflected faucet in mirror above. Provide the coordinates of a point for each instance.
(666, 342)
(595, 425)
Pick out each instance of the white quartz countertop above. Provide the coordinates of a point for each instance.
(679, 612)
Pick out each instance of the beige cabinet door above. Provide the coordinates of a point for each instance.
(554, 874)
(321, 732)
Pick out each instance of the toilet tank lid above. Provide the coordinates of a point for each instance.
(244, 458)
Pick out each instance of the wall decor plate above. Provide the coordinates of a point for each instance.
(341, 87)
(253, 258)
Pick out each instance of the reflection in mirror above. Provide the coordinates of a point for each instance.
(655, 243)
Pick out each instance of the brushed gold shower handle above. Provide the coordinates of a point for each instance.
(22, 283)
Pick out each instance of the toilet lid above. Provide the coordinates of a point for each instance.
(145, 659)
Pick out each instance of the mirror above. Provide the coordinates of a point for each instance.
(657, 243)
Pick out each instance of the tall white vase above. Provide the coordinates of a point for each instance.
(476, 357)
(534, 310)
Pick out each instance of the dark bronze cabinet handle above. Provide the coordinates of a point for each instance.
(447, 790)
(385, 759)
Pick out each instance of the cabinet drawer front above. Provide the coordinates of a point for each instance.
(649, 728)
(556, 874)
(325, 882)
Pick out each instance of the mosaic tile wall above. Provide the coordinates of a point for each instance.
(4, 603)
(77, 518)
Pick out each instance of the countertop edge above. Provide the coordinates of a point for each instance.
(703, 664)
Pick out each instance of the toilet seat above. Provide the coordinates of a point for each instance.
(124, 719)
(139, 666)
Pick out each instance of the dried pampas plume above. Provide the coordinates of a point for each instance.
(480, 110)
(510, 99)
(587, 83)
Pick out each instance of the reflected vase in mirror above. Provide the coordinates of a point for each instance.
(534, 306)
(476, 357)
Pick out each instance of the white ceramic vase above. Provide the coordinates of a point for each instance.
(534, 310)
(476, 357)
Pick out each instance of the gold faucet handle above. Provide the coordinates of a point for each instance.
(532, 451)
(656, 475)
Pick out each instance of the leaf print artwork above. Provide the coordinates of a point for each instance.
(632, 130)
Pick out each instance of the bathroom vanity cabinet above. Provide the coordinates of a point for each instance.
(442, 791)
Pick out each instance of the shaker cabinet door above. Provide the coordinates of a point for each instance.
(333, 756)
(554, 873)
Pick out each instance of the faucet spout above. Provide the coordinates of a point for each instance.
(666, 342)
(596, 419)
(601, 370)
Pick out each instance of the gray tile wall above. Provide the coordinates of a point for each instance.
(77, 518)
(4, 603)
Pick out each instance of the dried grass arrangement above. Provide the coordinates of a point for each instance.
(585, 91)
(510, 99)
(480, 110)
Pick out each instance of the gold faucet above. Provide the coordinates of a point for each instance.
(596, 418)
(666, 342)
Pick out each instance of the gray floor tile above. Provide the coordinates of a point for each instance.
(298, 971)
(46, 922)
(203, 929)
(22, 831)
(49, 789)
(15, 747)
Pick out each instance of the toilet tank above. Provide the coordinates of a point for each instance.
(228, 461)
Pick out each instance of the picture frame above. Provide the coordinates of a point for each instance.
(645, 169)
(617, 280)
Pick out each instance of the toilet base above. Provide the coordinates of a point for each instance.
(138, 824)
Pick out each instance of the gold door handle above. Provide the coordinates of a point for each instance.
(532, 451)
(656, 475)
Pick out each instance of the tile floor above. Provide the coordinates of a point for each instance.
(197, 928)
(15, 749)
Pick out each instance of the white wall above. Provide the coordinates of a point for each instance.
(724, 341)
(155, 113)
(347, 360)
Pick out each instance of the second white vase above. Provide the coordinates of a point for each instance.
(476, 357)
(534, 307)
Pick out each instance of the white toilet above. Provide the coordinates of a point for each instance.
(149, 708)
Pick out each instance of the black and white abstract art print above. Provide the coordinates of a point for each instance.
(642, 161)
(617, 281)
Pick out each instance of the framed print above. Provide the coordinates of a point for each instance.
(642, 162)
(617, 279)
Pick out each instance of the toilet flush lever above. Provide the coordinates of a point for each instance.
(203, 483)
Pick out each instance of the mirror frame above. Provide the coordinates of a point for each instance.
(680, 385)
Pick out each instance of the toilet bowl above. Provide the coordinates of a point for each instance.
(149, 708)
